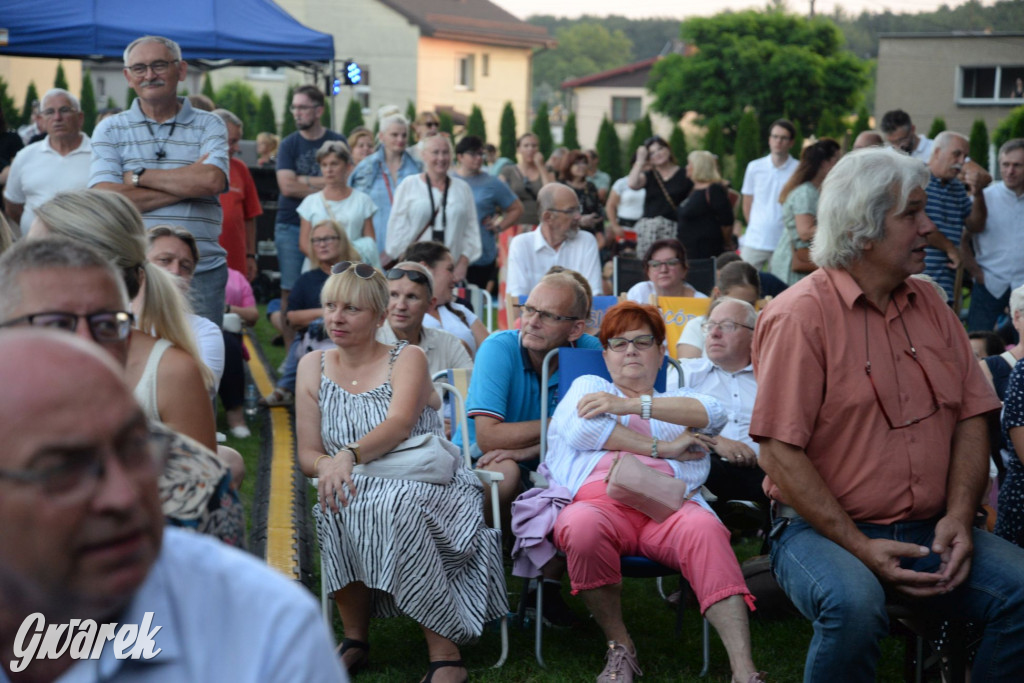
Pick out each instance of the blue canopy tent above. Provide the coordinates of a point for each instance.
(212, 32)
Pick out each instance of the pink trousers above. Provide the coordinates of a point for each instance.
(594, 531)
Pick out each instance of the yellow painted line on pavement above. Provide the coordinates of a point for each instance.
(282, 549)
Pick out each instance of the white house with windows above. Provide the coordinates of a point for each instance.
(960, 76)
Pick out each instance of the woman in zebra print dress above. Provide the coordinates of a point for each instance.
(391, 546)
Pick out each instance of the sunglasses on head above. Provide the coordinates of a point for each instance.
(363, 270)
(414, 275)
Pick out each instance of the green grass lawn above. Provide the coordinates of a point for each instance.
(399, 653)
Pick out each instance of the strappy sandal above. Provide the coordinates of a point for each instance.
(352, 644)
(444, 663)
(278, 397)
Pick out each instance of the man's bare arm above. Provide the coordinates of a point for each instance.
(14, 211)
(144, 199)
(492, 434)
(195, 180)
(748, 202)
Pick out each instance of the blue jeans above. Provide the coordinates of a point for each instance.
(846, 601)
(207, 293)
(289, 256)
(985, 309)
(291, 365)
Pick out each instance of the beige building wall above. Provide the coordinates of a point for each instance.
(507, 79)
(367, 31)
(922, 77)
(594, 103)
(18, 72)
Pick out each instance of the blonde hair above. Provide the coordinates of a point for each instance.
(109, 223)
(268, 137)
(703, 167)
(347, 251)
(371, 292)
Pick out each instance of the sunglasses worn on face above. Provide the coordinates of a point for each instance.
(413, 275)
(362, 270)
(641, 343)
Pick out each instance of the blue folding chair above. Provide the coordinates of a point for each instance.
(573, 363)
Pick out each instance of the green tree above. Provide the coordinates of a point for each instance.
(7, 107)
(207, 88)
(325, 117)
(475, 125)
(111, 104)
(609, 149)
(88, 101)
(642, 130)
(802, 59)
(584, 48)
(862, 123)
(31, 95)
(798, 140)
(827, 126)
(353, 116)
(287, 120)
(410, 113)
(748, 145)
(714, 140)
(938, 125)
(508, 132)
(979, 143)
(446, 124)
(570, 137)
(542, 129)
(677, 143)
(129, 98)
(60, 80)
(265, 115)
(240, 99)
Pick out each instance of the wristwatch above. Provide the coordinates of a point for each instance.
(645, 406)
(354, 448)
(137, 176)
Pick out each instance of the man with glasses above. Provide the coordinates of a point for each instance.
(504, 399)
(557, 241)
(170, 160)
(57, 163)
(726, 374)
(762, 182)
(870, 415)
(298, 175)
(901, 133)
(82, 537)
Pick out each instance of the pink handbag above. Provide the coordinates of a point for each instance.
(643, 488)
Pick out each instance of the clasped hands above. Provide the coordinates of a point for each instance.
(334, 475)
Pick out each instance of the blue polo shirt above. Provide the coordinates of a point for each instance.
(491, 196)
(504, 385)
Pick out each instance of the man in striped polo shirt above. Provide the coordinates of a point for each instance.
(170, 160)
(950, 205)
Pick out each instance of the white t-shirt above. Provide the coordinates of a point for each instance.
(641, 292)
(450, 322)
(350, 212)
(631, 202)
(38, 172)
(997, 247)
(764, 181)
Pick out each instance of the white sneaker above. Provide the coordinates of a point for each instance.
(221, 437)
(241, 432)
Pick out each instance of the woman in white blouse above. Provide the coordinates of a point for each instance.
(436, 206)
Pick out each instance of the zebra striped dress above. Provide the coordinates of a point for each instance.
(423, 549)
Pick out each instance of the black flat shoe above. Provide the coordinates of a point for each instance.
(441, 664)
(360, 661)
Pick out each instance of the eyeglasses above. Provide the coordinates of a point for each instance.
(641, 343)
(779, 137)
(75, 473)
(545, 316)
(106, 327)
(726, 326)
(363, 270)
(63, 111)
(671, 263)
(413, 275)
(570, 212)
(159, 67)
(913, 354)
(302, 107)
(432, 124)
(324, 240)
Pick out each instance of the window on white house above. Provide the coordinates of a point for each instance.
(266, 73)
(485, 66)
(464, 72)
(626, 109)
(991, 84)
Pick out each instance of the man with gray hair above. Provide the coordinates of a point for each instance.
(956, 202)
(170, 160)
(870, 415)
(240, 204)
(57, 163)
(997, 246)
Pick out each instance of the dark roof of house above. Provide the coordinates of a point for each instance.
(475, 21)
(634, 74)
(956, 34)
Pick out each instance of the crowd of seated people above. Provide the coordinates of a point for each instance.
(391, 230)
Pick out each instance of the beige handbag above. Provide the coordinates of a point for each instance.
(644, 488)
